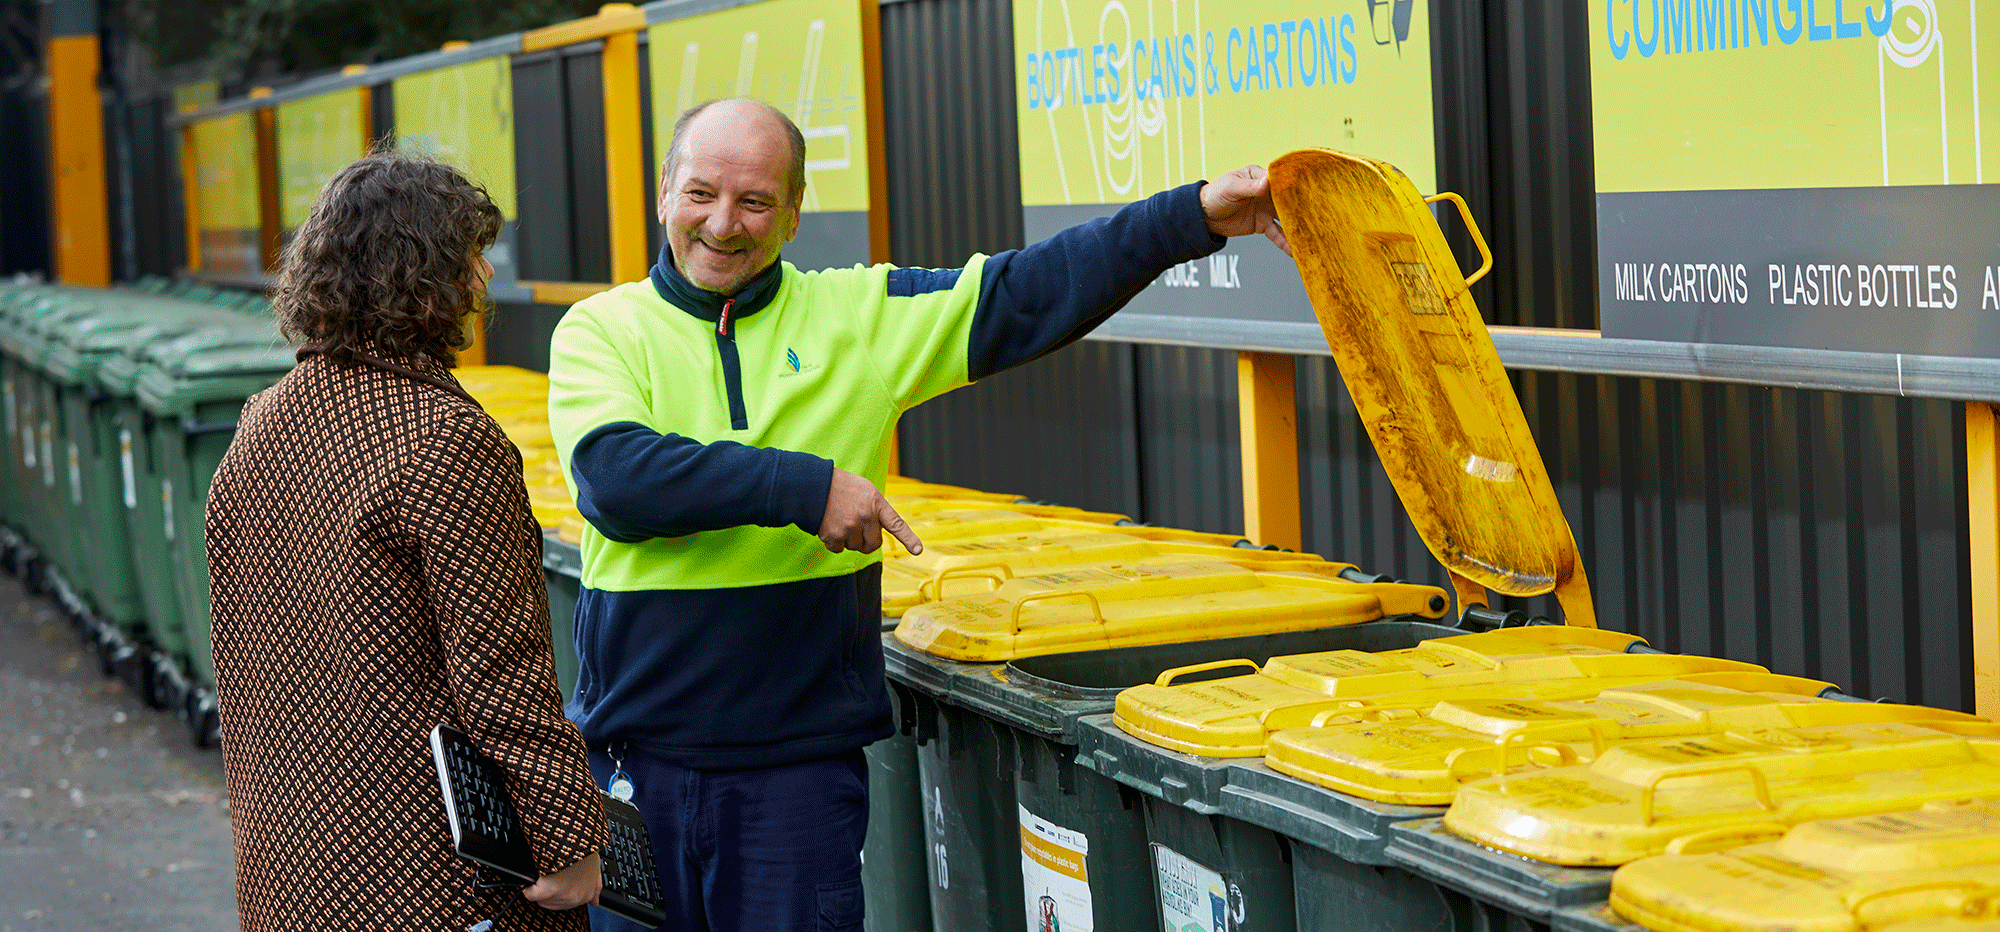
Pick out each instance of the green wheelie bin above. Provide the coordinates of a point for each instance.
(194, 401)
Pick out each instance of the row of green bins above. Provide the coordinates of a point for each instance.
(101, 583)
(135, 482)
(192, 397)
(1019, 830)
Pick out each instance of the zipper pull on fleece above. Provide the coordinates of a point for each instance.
(722, 323)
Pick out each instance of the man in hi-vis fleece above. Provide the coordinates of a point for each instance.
(725, 426)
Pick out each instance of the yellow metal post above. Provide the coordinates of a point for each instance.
(191, 194)
(1982, 460)
(1267, 400)
(367, 105)
(76, 149)
(624, 155)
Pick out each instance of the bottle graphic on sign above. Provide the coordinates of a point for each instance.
(1050, 921)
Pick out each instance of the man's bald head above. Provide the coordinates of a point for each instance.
(753, 115)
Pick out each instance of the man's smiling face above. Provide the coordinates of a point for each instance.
(730, 208)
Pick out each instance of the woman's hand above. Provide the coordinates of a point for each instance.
(570, 887)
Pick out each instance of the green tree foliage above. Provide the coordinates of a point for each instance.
(299, 36)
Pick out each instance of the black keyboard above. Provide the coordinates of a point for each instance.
(631, 881)
(486, 829)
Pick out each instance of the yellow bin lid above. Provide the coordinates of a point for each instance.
(981, 564)
(1155, 603)
(1417, 360)
(1935, 868)
(936, 527)
(1232, 717)
(904, 485)
(907, 505)
(1423, 761)
(1637, 798)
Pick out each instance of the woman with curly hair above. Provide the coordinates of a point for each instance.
(376, 571)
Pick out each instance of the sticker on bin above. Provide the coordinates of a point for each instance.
(982, 564)
(1154, 603)
(1192, 897)
(1936, 865)
(1637, 799)
(1055, 874)
(125, 467)
(1234, 716)
(1422, 761)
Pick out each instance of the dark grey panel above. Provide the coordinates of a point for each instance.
(1886, 270)
(1064, 428)
(155, 176)
(541, 170)
(1511, 82)
(382, 103)
(1249, 279)
(590, 236)
(518, 334)
(954, 169)
(835, 240)
(1190, 466)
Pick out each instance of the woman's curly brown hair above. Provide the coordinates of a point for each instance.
(388, 256)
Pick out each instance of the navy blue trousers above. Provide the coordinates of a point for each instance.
(770, 850)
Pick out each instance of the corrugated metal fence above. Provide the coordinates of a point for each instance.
(1819, 534)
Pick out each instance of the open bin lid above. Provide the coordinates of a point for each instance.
(1426, 379)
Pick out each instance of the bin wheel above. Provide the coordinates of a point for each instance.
(104, 648)
(32, 580)
(152, 687)
(204, 727)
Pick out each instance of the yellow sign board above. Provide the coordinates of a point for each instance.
(1786, 94)
(804, 57)
(226, 172)
(317, 137)
(226, 209)
(1118, 99)
(463, 115)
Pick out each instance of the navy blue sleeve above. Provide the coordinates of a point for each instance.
(1037, 300)
(634, 483)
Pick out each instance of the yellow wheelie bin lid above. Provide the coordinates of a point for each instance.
(1156, 603)
(907, 505)
(1636, 799)
(1936, 867)
(1233, 716)
(1417, 360)
(1422, 761)
(937, 527)
(981, 564)
(903, 485)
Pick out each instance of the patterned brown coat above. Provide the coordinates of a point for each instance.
(376, 570)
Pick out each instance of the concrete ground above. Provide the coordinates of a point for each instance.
(110, 819)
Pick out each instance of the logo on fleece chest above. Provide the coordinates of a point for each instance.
(791, 365)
